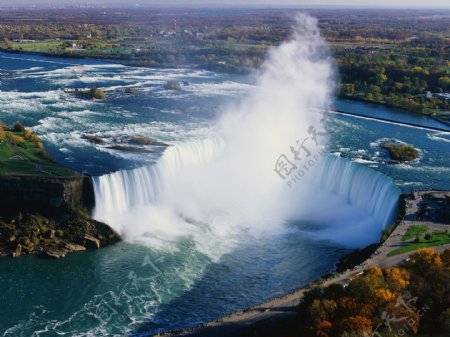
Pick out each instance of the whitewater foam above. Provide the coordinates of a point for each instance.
(228, 181)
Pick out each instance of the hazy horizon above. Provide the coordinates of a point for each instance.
(233, 3)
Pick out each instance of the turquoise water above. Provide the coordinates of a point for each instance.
(94, 294)
(136, 289)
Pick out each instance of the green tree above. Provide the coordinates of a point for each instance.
(348, 89)
(444, 83)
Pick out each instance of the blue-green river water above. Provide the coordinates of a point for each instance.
(134, 289)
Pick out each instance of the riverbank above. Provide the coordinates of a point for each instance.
(277, 316)
(106, 59)
(52, 236)
(44, 207)
(49, 216)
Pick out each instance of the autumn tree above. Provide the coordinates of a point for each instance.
(355, 326)
(2, 132)
(397, 279)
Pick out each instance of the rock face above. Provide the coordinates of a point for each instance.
(49, 217)
(18, 251)
(52, 237)
(47, 196)
(91, 242)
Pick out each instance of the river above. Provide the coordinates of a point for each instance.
(139, 288)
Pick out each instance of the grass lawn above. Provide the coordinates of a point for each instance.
(26, 159)
(38, 46)
(95, 47)
(413, 231)
(5, 150)
(57, 170)
(18, 166)
(437, 239)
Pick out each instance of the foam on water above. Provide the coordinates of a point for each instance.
(440, 136)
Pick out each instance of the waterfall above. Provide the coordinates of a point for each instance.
(118, 192)
(228, 181)
(364, 191)
(360, 186)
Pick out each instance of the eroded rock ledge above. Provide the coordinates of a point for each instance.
(49, 216)
(49, 237)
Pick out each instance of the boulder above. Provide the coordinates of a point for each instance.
(18, 251)
(29, 249)
(72, 247)
(50, 234)
(34, 240)
(54, 253)
(91, 243)
(25, 241)
(52, 237)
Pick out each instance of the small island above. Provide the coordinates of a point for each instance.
(172, 85)
(92, 93)
(93, 139)
(139, 143)
(400, 152)
(44, 207)
(145, 140)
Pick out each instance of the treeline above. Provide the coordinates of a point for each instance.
(398, 76)
(411, 299)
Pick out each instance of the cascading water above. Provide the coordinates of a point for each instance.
(120, 191)
(360, 186)
(229, 181)
(350, 202)
(364, 200)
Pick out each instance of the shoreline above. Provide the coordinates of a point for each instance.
(49, 217)
(45, 207)
(280, 312)
(121, 61)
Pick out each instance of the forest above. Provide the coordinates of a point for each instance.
(407, 300)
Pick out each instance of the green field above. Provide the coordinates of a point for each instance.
(436, 239)
(27, 159)
(413, 231)
(93, 48)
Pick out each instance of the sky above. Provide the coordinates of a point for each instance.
(353, 3)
